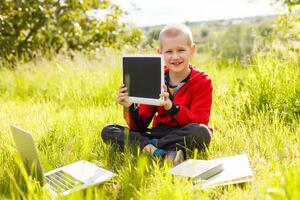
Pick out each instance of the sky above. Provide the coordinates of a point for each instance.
(157, 12)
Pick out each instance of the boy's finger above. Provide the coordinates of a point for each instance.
(123, 94)
(166, 94)
(122, 99)
(165, 88)
(123, 89)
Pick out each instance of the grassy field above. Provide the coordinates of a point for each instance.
(66, 103)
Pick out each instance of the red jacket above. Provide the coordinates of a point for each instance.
(192, 105)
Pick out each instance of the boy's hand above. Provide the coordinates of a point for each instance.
(167, 103)
(123, 97)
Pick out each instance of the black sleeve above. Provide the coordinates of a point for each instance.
(174, 109)
(141, 124)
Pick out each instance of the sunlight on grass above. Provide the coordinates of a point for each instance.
(65, 104)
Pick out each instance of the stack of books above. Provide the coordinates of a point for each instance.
(216, 172)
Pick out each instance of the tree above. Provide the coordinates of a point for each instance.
(288, 30)
(29, 27)
(289, 3)
(152, 37)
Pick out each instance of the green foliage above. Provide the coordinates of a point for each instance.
(226, 40)
(288, 34)
(289, 3)
(264, 85)
(284, 184)
(241, 42)
(29, 28)
(66, 104)
(236, 43)
(152, 37)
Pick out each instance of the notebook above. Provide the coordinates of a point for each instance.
(216, 172)
(236, 169)
(197, 169)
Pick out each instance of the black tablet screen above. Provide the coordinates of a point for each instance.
(142, 76)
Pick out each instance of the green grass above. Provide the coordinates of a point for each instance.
(66, 103)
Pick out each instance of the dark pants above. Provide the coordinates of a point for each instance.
(168, 138)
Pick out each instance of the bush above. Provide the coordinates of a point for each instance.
(273, 87)
(29, 28)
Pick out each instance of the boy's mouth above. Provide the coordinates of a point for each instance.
(176, 63)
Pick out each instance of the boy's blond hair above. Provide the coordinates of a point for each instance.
(174, 30)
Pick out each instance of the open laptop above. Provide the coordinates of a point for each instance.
(143, 75)
(63, 180)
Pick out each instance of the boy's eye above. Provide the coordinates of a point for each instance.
(181, 50)
(168, 51)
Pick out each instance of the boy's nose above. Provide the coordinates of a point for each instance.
(175, 55)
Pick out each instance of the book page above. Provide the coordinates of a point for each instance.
(236, 169)
(194, 168)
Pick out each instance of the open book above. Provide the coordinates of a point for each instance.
(197, 170)
(235, 169)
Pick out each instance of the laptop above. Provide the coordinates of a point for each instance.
(63, 180)
(143, 75)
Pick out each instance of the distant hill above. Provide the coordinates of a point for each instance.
(230, 38)
(220, 23)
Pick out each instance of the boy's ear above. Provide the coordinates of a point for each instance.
(193, 49)
(158, 51)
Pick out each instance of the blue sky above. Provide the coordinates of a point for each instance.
(155, 12)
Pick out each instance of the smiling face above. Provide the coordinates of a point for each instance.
(177, 52)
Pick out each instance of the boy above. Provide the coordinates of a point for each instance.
(181, 122)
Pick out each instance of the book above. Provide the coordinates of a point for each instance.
(197, 169)
(216, 172)
(236, 169)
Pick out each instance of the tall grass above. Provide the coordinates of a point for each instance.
(66, 103)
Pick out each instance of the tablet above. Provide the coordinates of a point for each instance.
(143, 75)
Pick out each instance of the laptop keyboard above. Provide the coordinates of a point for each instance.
(60, 181)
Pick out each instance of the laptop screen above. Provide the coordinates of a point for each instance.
(142, 76)
(28, 152)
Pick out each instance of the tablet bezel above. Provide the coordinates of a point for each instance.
(142, 100)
